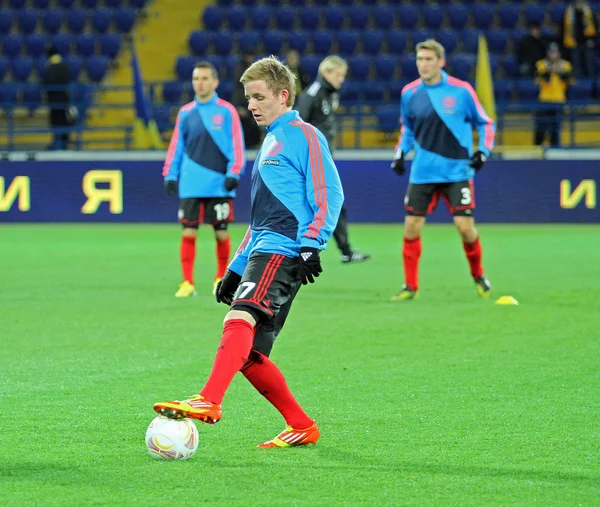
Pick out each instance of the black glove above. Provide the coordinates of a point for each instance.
(227, 286)
(477, 160)
(310, 265)
(171, 187)
(231, 184)
(398, 163)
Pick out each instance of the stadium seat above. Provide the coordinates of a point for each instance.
(249, 3)
(383, 16)
(229, 66)
(223, 42)
(6, 21)
(447, 38)
(75, 63)
(17, 4)
(483, 15)
(297, 40)
(395, 88)
(27, 20)
(359, 66)
(216, 60)
(375, 91)
(310, 63)
(226, 90)
(52, 20)
(508, 15)
(41, 4)
(85, 44)
(172, 91)
(458, 16)
(347, 41)
(408, 64)
(285, 18)
(549, 33)
(372, 41)
(388, 119)
(96, 67)
(8, 95)
(137, 4)
(517, 34)
(40, 67)
(309, 18)
(408, 15)
(65, 4)
(113, 4)
(198, 42)
(535, 13)
(503, 89)
(184, 66)
(470, 40)
(248, 41)
(224, 3)
(90, 4)
(36, 45)
(461, 65)
(421, 35)
(260, 17)
(272, 41)
(212, 17)
(3, 67)
(385, 66)
(322, 41)
(31, 96)
(275, 3)
(334, 17)
(124, 19)
(581, 89)
(510, 65)
(433, 15)
(359, 16)
(350, 91)
(101, 19)
(21, 67)
(76, 20)
(11, 45)
(61, 43)
(527, 89)
(557, 12)
(396, 41)
(236, 18)
(110, 44)
(497, 40)
(494, 60)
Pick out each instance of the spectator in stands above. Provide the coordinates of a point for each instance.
(62, 114)
(252, 133)
(554, 75)
(302, 78)
(579, 30)
(531, 49)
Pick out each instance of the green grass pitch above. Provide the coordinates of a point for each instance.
(448, 400)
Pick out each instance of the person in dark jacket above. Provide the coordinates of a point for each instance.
(62, 115)
(252, 133)
(531, 49)
(317, 105)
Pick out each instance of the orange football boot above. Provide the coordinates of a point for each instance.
(291, 437)
(195, 407)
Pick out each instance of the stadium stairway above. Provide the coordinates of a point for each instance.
(158, 38)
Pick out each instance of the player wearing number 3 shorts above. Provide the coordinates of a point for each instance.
(204, 164)
(438, 114)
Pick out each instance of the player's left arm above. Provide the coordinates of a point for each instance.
(234, 148)
(240, 259)
(486, 127)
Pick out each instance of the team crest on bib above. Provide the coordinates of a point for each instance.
(449, 104)
(218, 120)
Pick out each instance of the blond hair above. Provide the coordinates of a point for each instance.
(432, 45)
(276, 74)
(331, 63)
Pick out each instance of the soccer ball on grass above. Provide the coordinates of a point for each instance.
(170, 439)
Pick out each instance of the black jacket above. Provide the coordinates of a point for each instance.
(57, 75)
(317, 105)
(530, 50)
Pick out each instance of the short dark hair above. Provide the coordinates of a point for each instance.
(207, 65)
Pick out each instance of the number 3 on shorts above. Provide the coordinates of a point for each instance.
(466, 196)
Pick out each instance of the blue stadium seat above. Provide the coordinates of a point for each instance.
(85, 44)
(350, 91)
(461, 65)
(334, 17)
(309, 17)
(110, 45)
(275, 3)
(172, 91)
(223, 42)
(261, 17)
(31, 96)
(285, 17)
(527, 89)
(372, 41)
(470, 40)
(497, 40)
(90, 4)
(510, 65)
(27, 20)
(184, 66)
(347, 41)
(75, 63)
(3, 67)
(52, 20)
(375, 91)
(11, 45)
(310, 63)
(61, 43)
(198, 42)
(408, 15)
(385, 66)
(40, 66)
(433, 16)
(535, 13)
(216, 60)
(101, 19)
(421, 35)
(76, 20)
(272, 41)
(226, 90)
(322, 41)
(395, 88)
(229, 65)
(8, 95)
(508, 14)
(557, 12)
(96, 67)
(458, 16)
(383, 16)
(494, 64)
(297, 40)
(517, 34)
(581, 89)
(36, 45)
(359, 66)
(549, 33)
(388, 118)
(137, 4)
(212, 17)
(113, 4)
(224, 3)
(483, 15)
(21, 67)
(236, 18)
(41, 4)
(408, 65)
(6, 21)
(396, 41)
(503, 89)
(124, 19)
(248, 41)
(447, 38)
(17, 4)
(65, 4)
(359, 16)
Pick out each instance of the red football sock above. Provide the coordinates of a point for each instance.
(411, 253)
(223, 251)
(268, 380)
(473, 251)
(187, 253)
(233, 352)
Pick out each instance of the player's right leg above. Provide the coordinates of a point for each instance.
(189, 216)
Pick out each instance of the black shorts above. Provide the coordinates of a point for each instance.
(422, 198)
(269, 285)
(215, 211)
